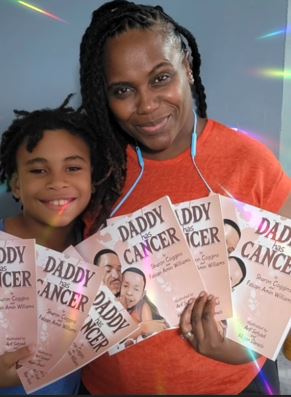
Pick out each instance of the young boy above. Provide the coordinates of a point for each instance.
(52, 164)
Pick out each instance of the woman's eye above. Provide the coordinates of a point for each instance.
(162, 78)
(121, 92)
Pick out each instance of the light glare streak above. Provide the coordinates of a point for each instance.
(274, 73)
(41, 11)
(274, 33)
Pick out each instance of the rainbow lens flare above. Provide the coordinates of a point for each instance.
(41, 11)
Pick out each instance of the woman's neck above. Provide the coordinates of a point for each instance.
(180, 146)
(56, 238)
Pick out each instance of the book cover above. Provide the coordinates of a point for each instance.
(18, 317)
(260, 268)
(156, 275)
(203, 227)
(107, 323)
(66, 289)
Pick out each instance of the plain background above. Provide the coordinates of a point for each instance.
(39, 60)
(39, 67)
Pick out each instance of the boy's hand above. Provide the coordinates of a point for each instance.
(8, 360)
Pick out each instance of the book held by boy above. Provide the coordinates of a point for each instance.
(18, 303)
(107, 323)
(66, 289)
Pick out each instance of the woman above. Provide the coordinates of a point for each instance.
(141, 86)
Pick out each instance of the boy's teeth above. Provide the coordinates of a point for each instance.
(59, 202)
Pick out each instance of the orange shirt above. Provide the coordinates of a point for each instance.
(166, 363)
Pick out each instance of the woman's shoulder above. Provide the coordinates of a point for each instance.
(237, 142)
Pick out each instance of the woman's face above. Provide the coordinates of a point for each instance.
(149, 92)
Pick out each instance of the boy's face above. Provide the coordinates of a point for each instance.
(132, 289)
(53, 182)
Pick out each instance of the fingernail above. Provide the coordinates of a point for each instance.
(202, 293)
(190, 301)
(210, 297)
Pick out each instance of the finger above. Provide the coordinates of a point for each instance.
(9, 359)
(208, 320)
(185, 318)
(196, 316)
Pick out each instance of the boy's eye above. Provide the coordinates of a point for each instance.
(74, 168)
(37, 171)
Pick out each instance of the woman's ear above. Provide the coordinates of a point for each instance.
(14, 186)
(187, 64)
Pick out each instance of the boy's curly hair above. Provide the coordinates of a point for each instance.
(28, 128)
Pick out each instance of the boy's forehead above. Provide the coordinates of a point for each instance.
(54, 143)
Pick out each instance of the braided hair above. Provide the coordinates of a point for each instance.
(110, 20)
(29, 127)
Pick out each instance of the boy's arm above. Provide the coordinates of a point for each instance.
(8, 360)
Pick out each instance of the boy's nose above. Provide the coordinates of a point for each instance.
(57, 181)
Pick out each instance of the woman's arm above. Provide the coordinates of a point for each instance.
(198, 325)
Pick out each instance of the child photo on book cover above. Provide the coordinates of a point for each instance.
(129, 287)
(135, 300)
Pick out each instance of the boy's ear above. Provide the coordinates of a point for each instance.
(14, 185)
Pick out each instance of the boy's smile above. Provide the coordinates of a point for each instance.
(53, 182)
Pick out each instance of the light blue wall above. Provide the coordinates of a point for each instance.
(39, 58)
(285, 138)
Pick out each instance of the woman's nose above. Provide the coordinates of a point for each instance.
(147, 101)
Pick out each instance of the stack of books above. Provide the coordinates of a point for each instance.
(133, 278)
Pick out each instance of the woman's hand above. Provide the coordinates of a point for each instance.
(8, 360)
(207, 337)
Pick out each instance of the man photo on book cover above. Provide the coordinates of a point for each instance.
(109, 259)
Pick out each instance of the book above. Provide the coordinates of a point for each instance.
(66, 289)
(203, 227)
(157, 274)
(107, 323)
(18, 301)
(260, 268)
